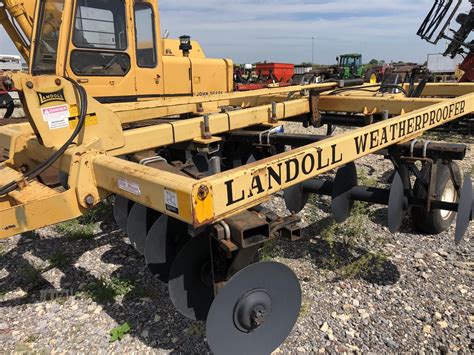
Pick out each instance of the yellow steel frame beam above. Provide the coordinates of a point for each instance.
(394, 105)
(445, 89)
(179, 131)
(140, 139)
(244, 187)
(140, 111)
(217, 197)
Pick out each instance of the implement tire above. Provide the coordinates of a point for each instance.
(436, 221)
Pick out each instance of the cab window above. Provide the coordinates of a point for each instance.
(47, 38)
(145, 36)
(100, 36)
(100, 24)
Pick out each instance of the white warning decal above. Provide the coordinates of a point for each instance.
(171, 201)
(57, 116)
(129, 186)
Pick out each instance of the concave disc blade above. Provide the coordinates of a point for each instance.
(267, 288)
(251, 159)
(396, 204)
(346, 179)
(139, 221)
(163, 241)
(155, 244)
(295, 198)
(190, 282)
(122, 208)
(465, 210)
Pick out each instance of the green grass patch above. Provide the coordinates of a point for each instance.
(305, 309)
(343, 257)
(119, 332)
(363, 266)
(197, 329)
(75, 230)
(83, 227)
(99, 213)
(32, 338)
(360, 208)
(314, 199)
(139, 291)
(353, 229)
(31, 276)
(107, 290)
(270, 250)
(365, 180)
(59, 260)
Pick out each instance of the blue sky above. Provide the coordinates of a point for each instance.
(281, 30)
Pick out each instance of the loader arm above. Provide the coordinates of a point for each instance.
(17, 18)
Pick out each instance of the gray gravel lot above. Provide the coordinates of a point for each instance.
(364, 289)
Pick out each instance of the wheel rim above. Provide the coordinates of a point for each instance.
(252, 310)
(449, 195)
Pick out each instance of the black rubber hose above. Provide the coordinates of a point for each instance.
(33, 174)
(7, 102)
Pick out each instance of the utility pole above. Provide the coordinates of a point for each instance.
(312, 53)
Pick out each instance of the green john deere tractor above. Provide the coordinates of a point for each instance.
(350, 67)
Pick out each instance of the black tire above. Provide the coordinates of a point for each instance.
(368, 76)
(436, 221)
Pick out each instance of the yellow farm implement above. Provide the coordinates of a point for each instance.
(155, 123)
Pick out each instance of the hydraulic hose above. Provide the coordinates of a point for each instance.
(33, 174)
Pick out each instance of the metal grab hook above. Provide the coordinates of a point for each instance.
(412, 147)
(268, 133)
(151, 160)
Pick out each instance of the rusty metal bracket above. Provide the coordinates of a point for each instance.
(248, 229)
(314, 118)
(432, 185)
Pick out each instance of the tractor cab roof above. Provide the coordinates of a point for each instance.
(350, 55)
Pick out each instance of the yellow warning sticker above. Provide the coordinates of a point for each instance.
(91, 120)
(73, 110)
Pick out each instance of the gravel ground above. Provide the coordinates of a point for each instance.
(364, 289)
